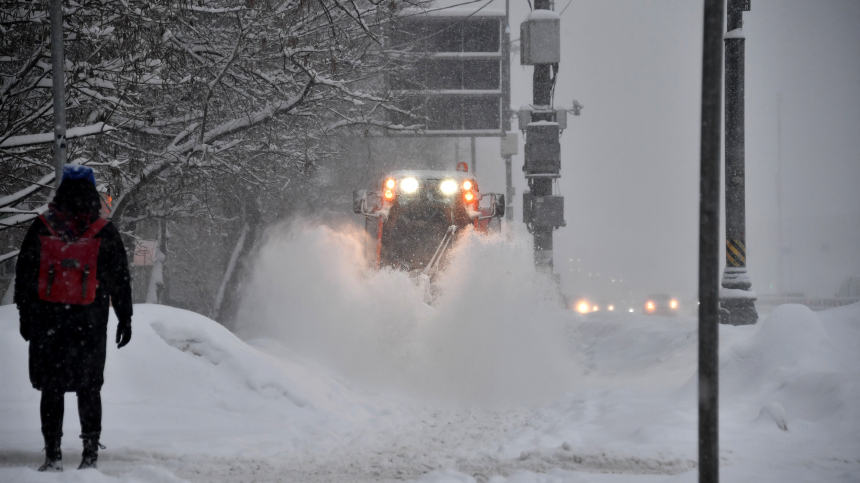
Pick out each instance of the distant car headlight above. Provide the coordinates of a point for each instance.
(582, 307)
(649, 306)
(449, 186)
(409, 185)
(673, 304)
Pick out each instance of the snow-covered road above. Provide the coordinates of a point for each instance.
(339, 375)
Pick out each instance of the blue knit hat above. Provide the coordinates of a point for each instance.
(74, 171)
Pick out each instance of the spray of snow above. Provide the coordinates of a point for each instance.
(495, 333)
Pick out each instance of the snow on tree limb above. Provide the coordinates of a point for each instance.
(48, 137)
(20, 195)
(7, 256)
(213, 106)
(177, 153)
(20, 219)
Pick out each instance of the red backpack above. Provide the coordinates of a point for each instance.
(67, 271)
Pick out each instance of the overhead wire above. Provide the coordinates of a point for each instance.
(565, 7)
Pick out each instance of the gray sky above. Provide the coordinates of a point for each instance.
(630, 163)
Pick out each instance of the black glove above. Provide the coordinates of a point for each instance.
(24, 320)
(123, 333)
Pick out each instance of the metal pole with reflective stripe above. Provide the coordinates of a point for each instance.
(738, 301)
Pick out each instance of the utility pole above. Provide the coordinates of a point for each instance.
(780, 281)
(543, 212)
(709, 250)
(474, 167)
(737, 300)
(506, 114)
(58, 90)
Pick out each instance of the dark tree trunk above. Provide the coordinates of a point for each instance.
(227, 311)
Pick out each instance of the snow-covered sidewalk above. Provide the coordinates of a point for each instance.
(190, 401)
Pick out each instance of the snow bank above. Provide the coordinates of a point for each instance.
(495, 333)
(184, 385)
(798, 374)
(789, 388)
(790, 341)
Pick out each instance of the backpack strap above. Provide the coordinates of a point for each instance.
(95, 227)
(48, 225)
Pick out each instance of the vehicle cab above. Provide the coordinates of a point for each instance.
(414, 211)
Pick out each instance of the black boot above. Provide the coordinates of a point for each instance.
(91, 451)
(53, 455)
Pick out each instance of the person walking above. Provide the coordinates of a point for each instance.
(71, 268)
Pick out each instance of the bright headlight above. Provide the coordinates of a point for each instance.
(449, 186)
(409, 185)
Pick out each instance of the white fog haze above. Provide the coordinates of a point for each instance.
(630, 162)
(482, 326)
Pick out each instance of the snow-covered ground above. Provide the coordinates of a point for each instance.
(340, 375)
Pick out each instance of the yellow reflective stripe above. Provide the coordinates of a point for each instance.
(735, 252)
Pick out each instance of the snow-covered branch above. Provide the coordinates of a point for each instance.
(48, 137)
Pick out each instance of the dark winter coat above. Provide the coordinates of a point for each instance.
(68, 343)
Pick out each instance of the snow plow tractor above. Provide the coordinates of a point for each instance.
(417, 215)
